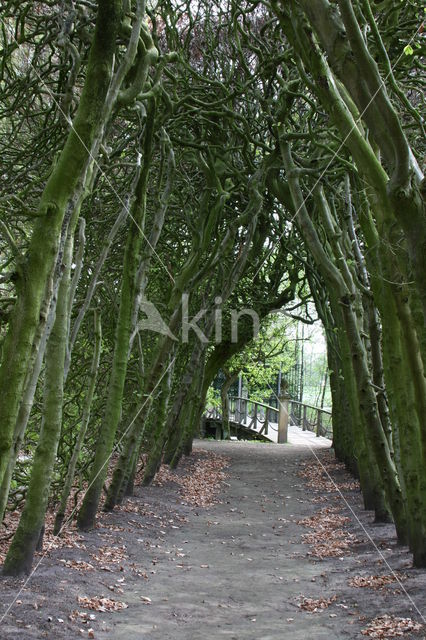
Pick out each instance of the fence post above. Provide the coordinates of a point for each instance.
(283, 418)
(319, 421)
(304, 417)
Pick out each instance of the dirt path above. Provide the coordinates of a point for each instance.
(236, 570)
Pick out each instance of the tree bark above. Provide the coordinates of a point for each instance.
(38, 266)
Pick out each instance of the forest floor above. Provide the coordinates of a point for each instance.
(245, 541)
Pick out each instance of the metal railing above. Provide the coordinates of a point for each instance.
(311, 418)
(261, 417)
(253, 415)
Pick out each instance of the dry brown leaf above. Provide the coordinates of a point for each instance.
(101, 604)
(78, 565)
(200, 487)
(390, 627)
(376, 582)
(314, 606)
(328, 538)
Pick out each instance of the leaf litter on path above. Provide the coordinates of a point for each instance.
(101, 604)
(201, 486)
(376, 582)
(390, 627)
(314, 606)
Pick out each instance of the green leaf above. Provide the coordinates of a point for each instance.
(408, 50)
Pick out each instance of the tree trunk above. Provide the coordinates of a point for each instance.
(69, 478)
(106, 435)
(21, 552)
(42, 254)
(366, 396)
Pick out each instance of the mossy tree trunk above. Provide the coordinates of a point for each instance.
(132, 256)
(69, 478)
(124, 465)
(37, 267)
(365, 389)
(127, 461)
(347, 51)
(27, 537)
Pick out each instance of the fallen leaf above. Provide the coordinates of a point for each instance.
(390, 627)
